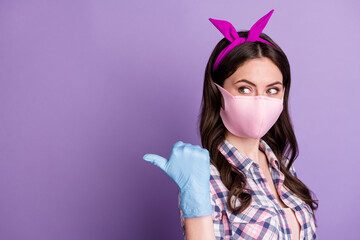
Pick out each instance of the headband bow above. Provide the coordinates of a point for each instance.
(230, 33)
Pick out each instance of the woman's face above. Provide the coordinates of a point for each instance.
(256, 77)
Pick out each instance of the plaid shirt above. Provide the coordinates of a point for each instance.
(264, 218)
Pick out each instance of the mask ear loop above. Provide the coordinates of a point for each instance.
(222, 101)
(284, 93)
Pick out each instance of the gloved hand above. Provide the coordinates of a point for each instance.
(189, 168)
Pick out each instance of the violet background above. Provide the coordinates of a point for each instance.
(88, 87)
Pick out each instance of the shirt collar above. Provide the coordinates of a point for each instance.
(239, 160)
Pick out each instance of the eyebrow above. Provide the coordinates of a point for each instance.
(247, 81)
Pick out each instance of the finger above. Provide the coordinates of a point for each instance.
(177, 144)
(206, 151)
(156, 160)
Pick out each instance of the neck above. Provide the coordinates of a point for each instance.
(248, 146)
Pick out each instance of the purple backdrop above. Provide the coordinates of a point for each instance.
(88, 87)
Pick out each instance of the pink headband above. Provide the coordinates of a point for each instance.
(228, 30)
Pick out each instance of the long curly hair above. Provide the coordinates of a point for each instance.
(280, 137)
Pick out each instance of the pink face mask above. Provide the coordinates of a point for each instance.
(249, 116)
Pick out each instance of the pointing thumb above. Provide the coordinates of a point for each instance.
(156, 160)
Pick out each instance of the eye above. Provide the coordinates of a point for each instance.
(277, 90)
(242, 90)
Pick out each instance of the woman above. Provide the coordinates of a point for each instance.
(249, 147)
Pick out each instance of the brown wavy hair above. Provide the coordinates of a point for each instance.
(280, 137)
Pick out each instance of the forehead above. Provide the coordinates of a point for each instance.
(259, 71)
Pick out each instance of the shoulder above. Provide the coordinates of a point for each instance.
(213, 170)
(292, 170)
(216, 183)
(218, 193)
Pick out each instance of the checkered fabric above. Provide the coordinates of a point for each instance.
(264, 218)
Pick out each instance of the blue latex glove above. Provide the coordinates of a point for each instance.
(189, 168)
